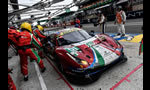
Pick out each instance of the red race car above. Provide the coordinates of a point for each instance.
(81, 55)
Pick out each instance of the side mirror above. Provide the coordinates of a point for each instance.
(92, 33)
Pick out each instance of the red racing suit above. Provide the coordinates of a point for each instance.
(11, 85)
(40, 35)
(26, 42)
(77, 23)
(13, 36)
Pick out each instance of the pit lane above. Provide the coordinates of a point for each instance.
(124, 76)
(114, 78)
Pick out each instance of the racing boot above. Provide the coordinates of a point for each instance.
(43, 70)
(26, 78)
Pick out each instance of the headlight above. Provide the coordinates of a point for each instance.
(83, 62)
(78, 60)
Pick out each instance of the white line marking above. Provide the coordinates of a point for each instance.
(43, 86)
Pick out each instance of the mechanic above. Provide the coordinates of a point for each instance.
(120, 20)
(64, 24)
(141, 45)
(101, 21)
(13, 34)
(38, 32)
(11, 85)
(77, 23)
(26, 44)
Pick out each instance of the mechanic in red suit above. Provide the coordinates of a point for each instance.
(13, 34)
(38, 32)
(25, 44)
(77, 23)
(11, 85)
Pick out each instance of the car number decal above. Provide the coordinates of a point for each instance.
(73, 50)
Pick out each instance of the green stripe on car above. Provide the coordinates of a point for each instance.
(99, 57)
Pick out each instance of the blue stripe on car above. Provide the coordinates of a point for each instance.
(92, 65)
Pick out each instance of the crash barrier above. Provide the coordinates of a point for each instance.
(60, 25)
(56, 27)
(130, 15)
(111, 17)
(134, 14)
(49, 29)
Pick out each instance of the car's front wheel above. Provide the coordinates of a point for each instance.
(124, 58)
(59, 65)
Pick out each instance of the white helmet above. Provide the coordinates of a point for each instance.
(119, 7)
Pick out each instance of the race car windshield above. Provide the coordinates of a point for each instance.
(73, 37)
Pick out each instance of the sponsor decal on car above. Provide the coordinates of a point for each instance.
(102, 55)
(107, 55)
(73, 50)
